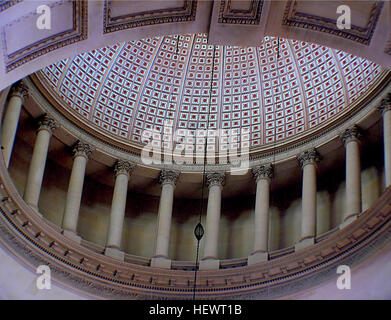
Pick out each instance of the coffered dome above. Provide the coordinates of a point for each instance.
(124, 89)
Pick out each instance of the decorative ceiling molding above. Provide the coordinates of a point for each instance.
(5, 4)
(295, 18)
(78, 32)
(113, 23)
(229, 15)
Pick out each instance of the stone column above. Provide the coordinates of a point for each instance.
(38, 161)
(81, 152)
(122, 171)
(11, 119)
(308, 160)
(262, 176)
(168, 180)
(351, 139)
(385, 108)
(215, 182)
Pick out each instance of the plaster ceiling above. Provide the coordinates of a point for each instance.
(126, 88)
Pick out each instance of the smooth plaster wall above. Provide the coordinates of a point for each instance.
(236, 226)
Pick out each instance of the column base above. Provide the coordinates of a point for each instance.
(304, 243)
(209, 264)
(257, 257)
(348, 221)
(72, 235)
(161, 262)
(115, 253)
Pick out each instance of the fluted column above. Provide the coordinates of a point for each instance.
(122, 171)
(308, 160)
(167, 179)
(38, 161)
(81, 152)
(262, 175)
(11, 119)
(215, 182)
(351, 139)
(385, 108)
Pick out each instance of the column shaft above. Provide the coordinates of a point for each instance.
(11, 120)
(37, 167)
(75, 189)
(118, 211)
(353, 179)
(308, 221)
(164, 223)
(261, 227)
(212, 222)
(387, 145)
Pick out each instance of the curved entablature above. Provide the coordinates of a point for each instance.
(29, 45)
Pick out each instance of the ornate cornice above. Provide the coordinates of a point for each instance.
(350, 134)
(124, 167)
(111, 23)
(169, 176)
(215, 178)
(294, 18)
(263, 172)
(309, 156)
(385, 104)
(19, 89)
(82, 149)
(47, 123)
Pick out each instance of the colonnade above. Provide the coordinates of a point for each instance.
(263, 175)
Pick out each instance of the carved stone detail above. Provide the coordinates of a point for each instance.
(309, 156)
(19, 89)
(82, 149)
(169, 176)
(263, 172)
(47, 123)
(123, 167)
(385, 104)
(215, 178)
(352, 133)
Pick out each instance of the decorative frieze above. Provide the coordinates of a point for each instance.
(309, 156)
(385, 104)
(47, 123)
(168, 176)
(215, 178)
(352, 133)
(124, 167)
(82, 149)
(263, 172)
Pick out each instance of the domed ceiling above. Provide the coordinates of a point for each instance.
(126, 88)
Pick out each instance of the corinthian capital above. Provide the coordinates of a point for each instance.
(19, 89)
(350, 134)
(385, 104)
(215, 178)
(308, 156)
(169, 176)
(263, 172)
(47, 123)
(123, 167)
(82, 149)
